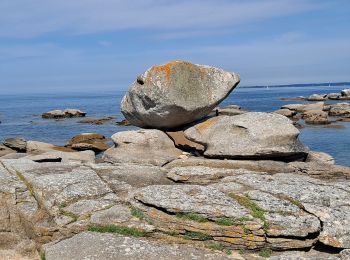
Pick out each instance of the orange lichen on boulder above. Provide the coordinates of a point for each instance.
(166, 68)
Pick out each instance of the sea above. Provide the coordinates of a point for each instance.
(20, 115)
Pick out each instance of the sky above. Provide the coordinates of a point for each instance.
(102, 45)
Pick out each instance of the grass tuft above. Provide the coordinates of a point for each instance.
(42, 256)
(265, 252)
(119, 229)
(137, 213)
(197, 236)
(62, 205)
(191, 216)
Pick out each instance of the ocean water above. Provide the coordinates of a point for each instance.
(20, 115)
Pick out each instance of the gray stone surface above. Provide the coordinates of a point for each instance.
(142, 146)
(251, 135)
(110, 246)
(345, 92)
(314, 156)
(176, 93)
(4, 150)
(57, 156)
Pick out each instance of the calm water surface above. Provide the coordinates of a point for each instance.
(20, 116)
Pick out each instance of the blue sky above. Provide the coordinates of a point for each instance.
(84, 45)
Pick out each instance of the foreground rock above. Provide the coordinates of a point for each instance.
(57, 114)
(110, 246)
(251, 135)
(340, 109)
(142, 146)
(176, 93)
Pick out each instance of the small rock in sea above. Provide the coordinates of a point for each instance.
(335, 126)
(345, 93)
(294, 98)
(253, 135)
(316, 117)
(175, 94)
(334, 96)
(317, 97)
(340, 109)
(17, 144)
(96, 121)
(231, 110)
(58, 114)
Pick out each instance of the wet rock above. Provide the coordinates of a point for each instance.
(317, 97)
(183, 143)
(176, 93)
(286, 112)
(96, 121)
(17, 144)
(251, 135)
(317, 117)
(340, 109)
(142, 146)
(110, 246)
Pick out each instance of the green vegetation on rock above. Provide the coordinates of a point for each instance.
(137, 213)
(231, 221)
(119, 229)
(197, 236)
(255, 210)
(265, 252)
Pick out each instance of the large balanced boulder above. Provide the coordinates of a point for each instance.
(143, 147)
(176, 93)
(253, 135)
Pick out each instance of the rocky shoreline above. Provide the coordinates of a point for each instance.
(198, 182)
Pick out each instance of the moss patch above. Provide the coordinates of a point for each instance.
(71, 215)
(137, 213)
(255, 210)
(197, 236)
(231, 221)
(191, 216)
(119, 229)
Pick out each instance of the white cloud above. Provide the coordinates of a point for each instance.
(28, 18)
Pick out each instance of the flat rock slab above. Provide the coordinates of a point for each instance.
(110, 246)
(176, 93)
(206, 201)
(252, 135)
(143, 147)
